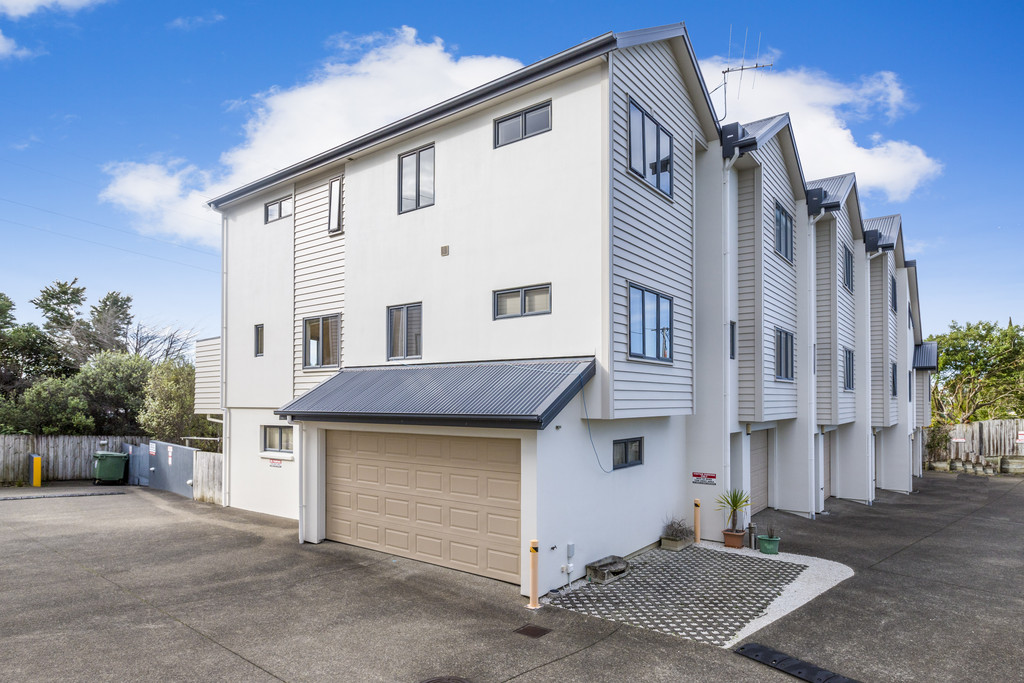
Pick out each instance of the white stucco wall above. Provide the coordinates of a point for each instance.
(255, 483)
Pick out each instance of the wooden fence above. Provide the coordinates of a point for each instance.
(208, 477)
(64, 457)
(972, 442)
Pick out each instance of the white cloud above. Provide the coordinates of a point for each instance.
(192, 23)
(821, 108)
(377, 79)
(16, 9)
(10, 50)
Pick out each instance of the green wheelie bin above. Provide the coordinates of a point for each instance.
(111, 467)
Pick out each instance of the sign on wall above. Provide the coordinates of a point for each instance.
(170, 452)
(706, 478)
(152, 447)
(275, 463)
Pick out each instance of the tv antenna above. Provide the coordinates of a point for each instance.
(758, 64)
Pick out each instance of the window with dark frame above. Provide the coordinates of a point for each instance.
(277, 209)
(650, 324)
(522, 301)
(277, 439)
(783, 233)
(732, 339)
(627, 453)
(257, 334)
(650, 149)
(847, 268)
(848, 369)
(892, 292)
(405, 331)
(910, 385)
(416, 179)
(894, 384)
(334, 221)
(783, 354)
(320, 348)
(523, 124)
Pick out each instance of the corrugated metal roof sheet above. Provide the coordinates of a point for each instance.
(926, 356)
(514, 393)
(757, 128)
(887, 226)
(836, 188)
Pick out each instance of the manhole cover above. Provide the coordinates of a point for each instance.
(532, 631)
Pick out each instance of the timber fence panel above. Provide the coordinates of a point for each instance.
(974, 441)
(207, 477)
(63, 457)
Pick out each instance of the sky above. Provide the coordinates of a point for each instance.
(120, 120)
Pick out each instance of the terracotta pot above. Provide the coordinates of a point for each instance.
(733, 539)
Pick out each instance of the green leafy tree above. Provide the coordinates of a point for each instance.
(114, 387)
(6, 312)
(109, 323)
(169, 414)
(53, 406)
(61, 306)
(27, 354)
(980, 374)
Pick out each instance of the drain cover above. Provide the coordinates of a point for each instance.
(533, 631)
(791, 665)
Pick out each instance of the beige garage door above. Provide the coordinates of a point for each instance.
(446, 500)
(758, 471)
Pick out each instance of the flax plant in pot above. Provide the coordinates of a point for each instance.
(733, 500)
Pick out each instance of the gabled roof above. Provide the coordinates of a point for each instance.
(519, 394)
(926, 356)
(830, 194)
(744, 138)
(574, 56)
(888, 228)
(915, 301)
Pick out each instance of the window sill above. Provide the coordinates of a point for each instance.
(650, 361)
(616, 468)
(319, 367)
(418, 208)
(277, 455)
(778, 253)
(651, 188)
(785, 380)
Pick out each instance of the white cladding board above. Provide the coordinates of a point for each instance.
(827, 463)
(758, 471)
(846, 317)
(825, 323)
(450, 501)
(922, 398)
(748, 294)
(652, 235)
(319, 272)
(883, 342)
(207, 390)
(894, 351)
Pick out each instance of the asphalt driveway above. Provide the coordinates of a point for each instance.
(149, 586)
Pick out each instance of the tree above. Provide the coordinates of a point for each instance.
(6, 312)
(159, 345)
(109, 323)
(27, 355)
(53, 406)
(980, 374)
(170, 399)
(114, 387)
(61, 306)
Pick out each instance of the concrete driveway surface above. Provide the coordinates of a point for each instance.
(149, 586)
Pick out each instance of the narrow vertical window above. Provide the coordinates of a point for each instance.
(334, 220)
(893, 382)
(416, 179)
(847, 268)
(848, 369)
(783, 232)
(405, 331)
(892, 292)
(258, 340)
(650, 149)
(732, 339)
(783, 354)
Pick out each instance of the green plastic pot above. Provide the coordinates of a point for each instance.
(769, 545)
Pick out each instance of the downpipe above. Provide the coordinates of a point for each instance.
(300, 437)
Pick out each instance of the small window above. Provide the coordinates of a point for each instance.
(783, 233)
(277, 439)
(523, 124)
(910, 385)
(279, 208)
(416, 179)
(650, 149)
(893, 382)
(513, 303)
(258, 339)
(848, 369)
(650, 324)
(627, 453)
(320, 342)
(783, 354)
(334, 220)
(405, 331)
(732, 339)
(892, 293)
(847, 268)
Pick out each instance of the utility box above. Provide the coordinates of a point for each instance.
(109, 466)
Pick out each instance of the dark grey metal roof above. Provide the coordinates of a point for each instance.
(748, 137)
(566, 59)
(888, 228)
(836, 188)
(926, 356)
(521, 394)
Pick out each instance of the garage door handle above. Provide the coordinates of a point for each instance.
(152, 469)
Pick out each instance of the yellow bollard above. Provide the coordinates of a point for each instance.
(37, 470)
(696, 520)
(534, 604)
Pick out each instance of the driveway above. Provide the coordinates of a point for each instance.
(147, 585)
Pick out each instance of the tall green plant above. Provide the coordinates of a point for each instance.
(733, 500)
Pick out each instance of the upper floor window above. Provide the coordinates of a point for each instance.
(277, 439)
(320, 338)
(416, 179)
(334, 221)
(522, 124)
(783, 354)
(650, 149)
(910, 385)
(732, 339)
(848, 369)
(279, 208)
(783, 232)
(627, 452)
(650, 324)
(893, 382)
(405, 331)
(258, 340)
(512, 303)
(892, 292)
(847, 268)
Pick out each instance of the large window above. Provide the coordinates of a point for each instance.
(893, 381)
(522, 124)
(513, 303)
(627, 452)
(334, 222)
(892, 293)
(320, 342)
(847, 268)
(650, 324)
(277, 439)
(405, 331)
(783, 354)
(650, 149)
(257, 334)
(416, 179)
(279, 208)
(783, 232)
(848, 369)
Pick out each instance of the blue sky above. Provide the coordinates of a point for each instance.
(120, 118)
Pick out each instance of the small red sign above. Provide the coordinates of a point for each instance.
(170, 452)
(275, 463)
(706, 478)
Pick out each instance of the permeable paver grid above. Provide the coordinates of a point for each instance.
(696, 593)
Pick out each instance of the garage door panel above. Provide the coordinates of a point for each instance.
(758, 471)
(452, 501)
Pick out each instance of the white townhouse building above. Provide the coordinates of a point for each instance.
(559, 306)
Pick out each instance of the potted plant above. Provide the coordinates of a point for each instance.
(677, 534)
(769, 543)
(733, 500)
